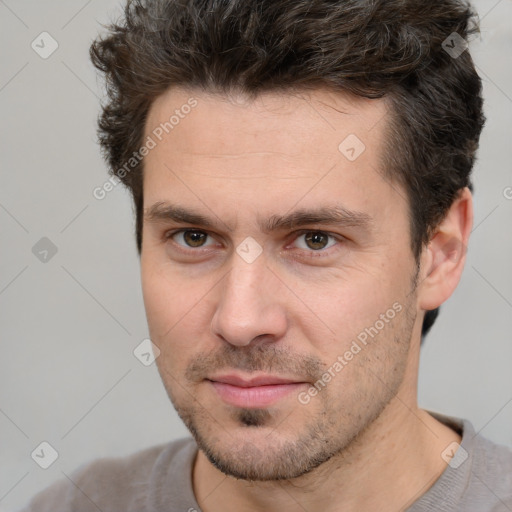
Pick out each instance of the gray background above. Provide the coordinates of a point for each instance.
(69, 326)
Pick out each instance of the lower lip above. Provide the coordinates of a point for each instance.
(257, 396)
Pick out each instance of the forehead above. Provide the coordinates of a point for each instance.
(309, 122)
(266, 154)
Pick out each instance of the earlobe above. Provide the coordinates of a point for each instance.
(444, 258)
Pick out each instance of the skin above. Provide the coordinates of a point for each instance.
(361, 443)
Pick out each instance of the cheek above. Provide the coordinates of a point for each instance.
(344, 304)
(366, 309)
(157, 299)
(163, 289)
(177, 311)
(167, 332)
(166, 307)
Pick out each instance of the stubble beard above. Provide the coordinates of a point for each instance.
(266, 448)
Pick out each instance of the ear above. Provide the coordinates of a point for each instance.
(442, 261)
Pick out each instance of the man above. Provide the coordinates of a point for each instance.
(301, 179)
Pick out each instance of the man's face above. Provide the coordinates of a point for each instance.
(325, 302)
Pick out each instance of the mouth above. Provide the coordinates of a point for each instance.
(256, 392)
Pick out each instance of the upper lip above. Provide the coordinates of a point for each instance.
(262, 380)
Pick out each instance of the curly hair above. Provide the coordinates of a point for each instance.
(395, 49)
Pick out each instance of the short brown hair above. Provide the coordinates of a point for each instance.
(371, 48)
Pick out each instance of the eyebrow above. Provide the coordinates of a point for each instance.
(335, 215)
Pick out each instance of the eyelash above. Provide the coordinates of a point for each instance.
(310, 253)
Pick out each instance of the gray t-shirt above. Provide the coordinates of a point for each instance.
(159, 479)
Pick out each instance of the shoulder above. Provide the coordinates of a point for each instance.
(491, 470)
(112, 483)
(478, 476)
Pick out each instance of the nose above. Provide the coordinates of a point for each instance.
(249, 306)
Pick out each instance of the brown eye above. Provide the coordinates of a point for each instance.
(316, 243)
(191, 238)
(194, 238)
(316, 240)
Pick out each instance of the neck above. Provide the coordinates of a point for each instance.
(388, 467)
